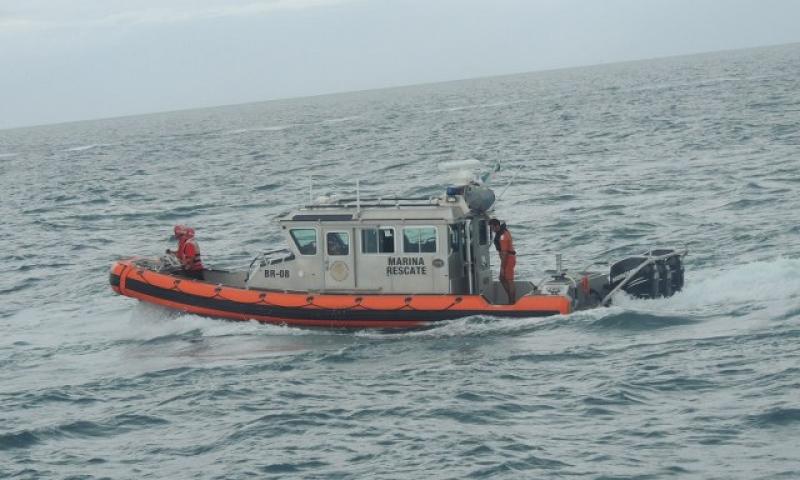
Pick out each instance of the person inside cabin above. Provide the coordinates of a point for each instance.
(336, 245)
(188, 252)
(508, 257)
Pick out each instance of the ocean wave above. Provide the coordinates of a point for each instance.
(342, 119)
(559, 356)
(83, 148)
(150, 322)
(475, 326)
(271, 128)
(776, 417)
(475, 106)
(114, 425)
(21, 439)
(633, 320)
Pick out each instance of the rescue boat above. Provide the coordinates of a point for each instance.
(388, 263)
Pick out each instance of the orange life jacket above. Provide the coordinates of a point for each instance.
(189, 255)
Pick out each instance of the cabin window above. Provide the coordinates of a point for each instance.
(419, 240)
(338, 243)
(483, 232)
(305, 239)
(377, 240)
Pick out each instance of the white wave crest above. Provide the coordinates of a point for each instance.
(83, 148)
(150, 321)
(341, 119)
(273, 128)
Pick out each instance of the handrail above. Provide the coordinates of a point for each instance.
(389, 199)
(375, 205)
(378, 202)
(262, 257)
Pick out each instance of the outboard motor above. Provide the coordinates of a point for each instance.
(671, 271)
(659, 273)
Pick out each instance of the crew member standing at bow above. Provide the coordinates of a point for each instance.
(188, 252)
(508, 258)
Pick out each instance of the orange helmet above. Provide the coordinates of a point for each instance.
(181, 230)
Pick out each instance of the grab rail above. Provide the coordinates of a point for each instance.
(262, 259)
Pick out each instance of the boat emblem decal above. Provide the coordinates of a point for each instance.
(339, 271)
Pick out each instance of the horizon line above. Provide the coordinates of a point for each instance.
(391, 87)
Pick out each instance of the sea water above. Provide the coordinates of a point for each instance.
(699, 152)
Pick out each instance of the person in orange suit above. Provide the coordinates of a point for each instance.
(188, 252)
(508, 258)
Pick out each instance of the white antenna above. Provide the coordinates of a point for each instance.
(509, 183)
(310, 190)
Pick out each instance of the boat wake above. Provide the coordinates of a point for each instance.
(767, 287)
(708, 294)
(150, 322)
(735, 290)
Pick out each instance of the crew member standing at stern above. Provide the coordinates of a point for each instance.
(188, 252)
(508, 258)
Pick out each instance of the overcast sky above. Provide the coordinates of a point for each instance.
(63, 60)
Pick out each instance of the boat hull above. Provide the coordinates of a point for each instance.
(317, 309)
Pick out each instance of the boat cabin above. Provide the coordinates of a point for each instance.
(438, 245)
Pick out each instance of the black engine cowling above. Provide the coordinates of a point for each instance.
(660, 278)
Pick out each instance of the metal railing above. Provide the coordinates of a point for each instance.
(385, 202)
(277, 255)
